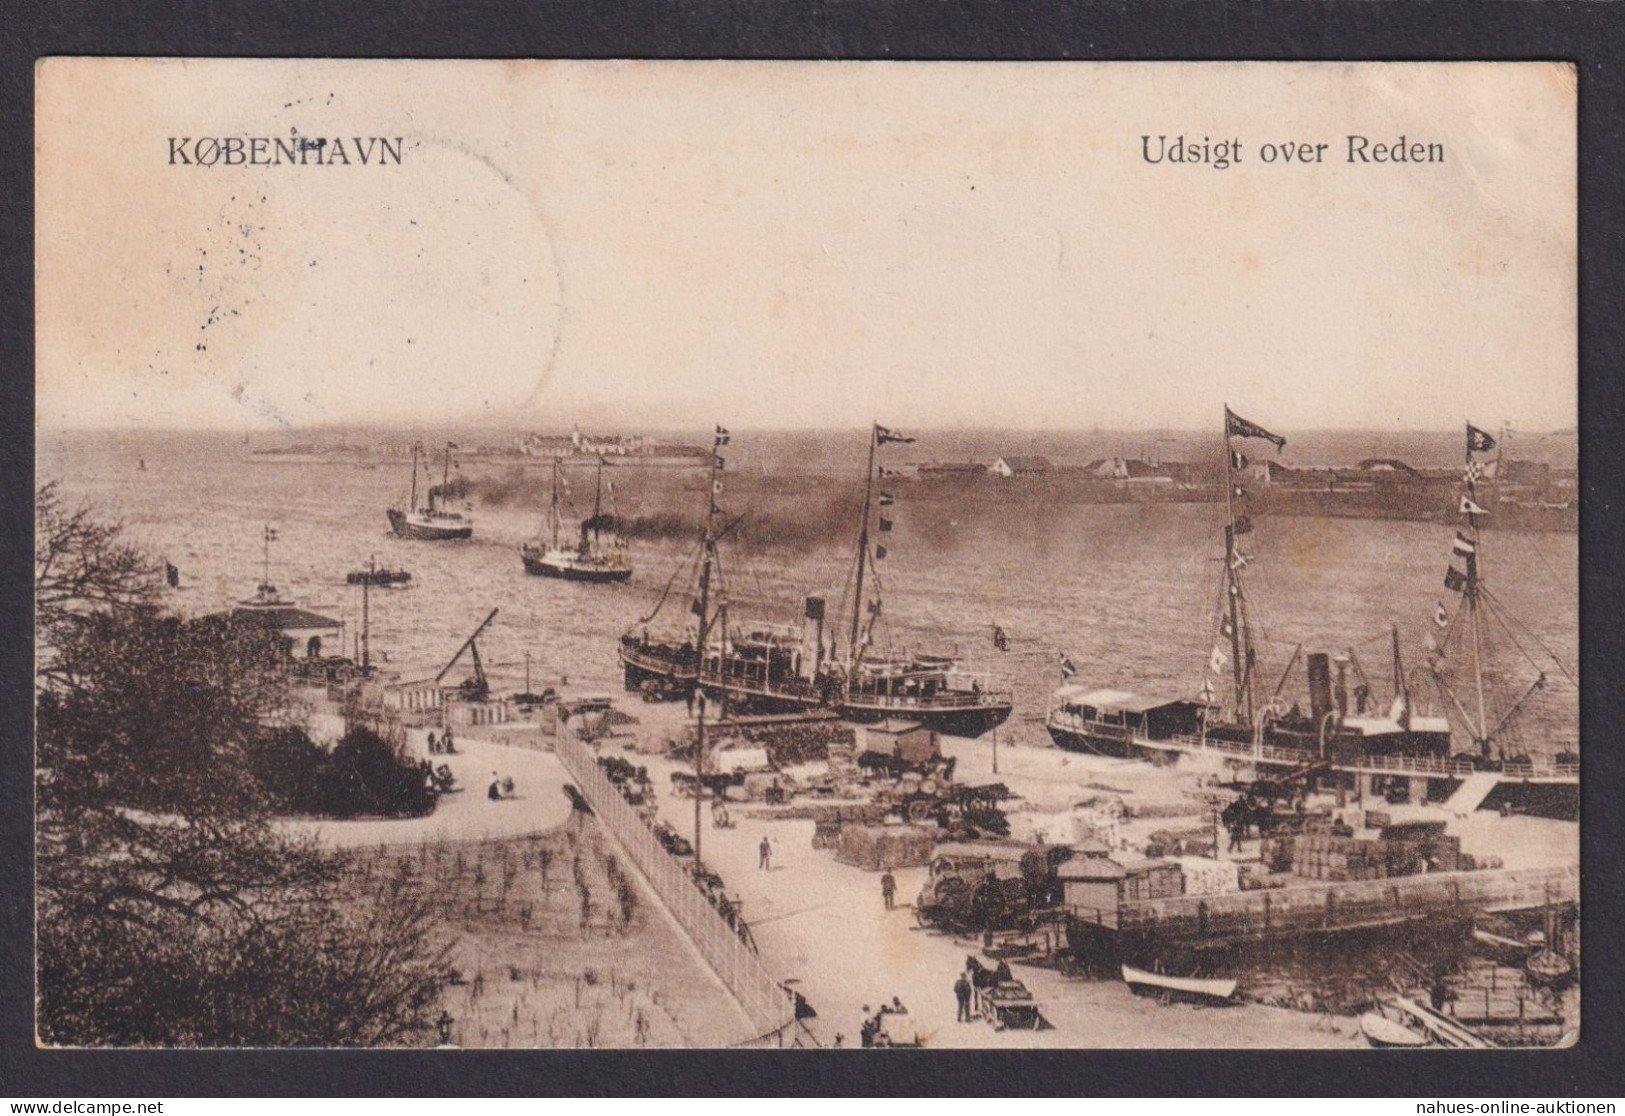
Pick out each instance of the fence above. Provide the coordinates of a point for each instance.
(764, 1000)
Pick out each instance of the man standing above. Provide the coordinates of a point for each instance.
(962, 994)
(888, 888)
(765, 861)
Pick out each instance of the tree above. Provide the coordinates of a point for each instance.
(171, 911)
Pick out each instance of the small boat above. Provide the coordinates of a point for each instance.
(432, 522)
(1199, 989)
(592, 559)
(382, 578)
(1386, 1034)
(1500, 948)
(1547, 967)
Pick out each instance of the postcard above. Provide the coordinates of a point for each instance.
(630, 554)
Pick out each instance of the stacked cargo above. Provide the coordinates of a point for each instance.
(1322, 856)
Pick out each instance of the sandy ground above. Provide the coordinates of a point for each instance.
(533, 969)
(539, 803)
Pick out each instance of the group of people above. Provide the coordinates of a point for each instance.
(500, 787)
(444, 746)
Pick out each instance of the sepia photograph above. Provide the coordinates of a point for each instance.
(617, 555)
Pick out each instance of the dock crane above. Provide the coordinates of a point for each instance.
(477, 688)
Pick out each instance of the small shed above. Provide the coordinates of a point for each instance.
(1097, 881)
(907, 740)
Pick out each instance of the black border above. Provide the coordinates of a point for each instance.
(1586, 34)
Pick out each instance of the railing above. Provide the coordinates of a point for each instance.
(1411, 765)
(1330, 905)
(942, 699)
(657, 663)
(763, 999)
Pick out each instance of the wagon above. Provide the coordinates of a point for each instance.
(1010, 1004)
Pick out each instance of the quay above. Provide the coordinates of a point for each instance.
(1320, 907)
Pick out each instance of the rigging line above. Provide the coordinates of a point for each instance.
(1505, 615)
(1572, 594)
(664, 593)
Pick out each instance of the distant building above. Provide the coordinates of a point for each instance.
(1021, 465)
(1129, 470)
(949, 469)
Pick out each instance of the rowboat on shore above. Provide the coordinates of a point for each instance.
(1212, 990)
(1386, 1034)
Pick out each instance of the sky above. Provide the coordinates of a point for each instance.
(621, 244)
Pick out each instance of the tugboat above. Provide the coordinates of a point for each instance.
(381, 577)
(431, 522)
(590, 559)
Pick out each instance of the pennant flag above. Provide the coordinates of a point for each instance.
(695, 608)
(1217, 660)
(1238, 561)
(1463, 546)
(1470, 508)
(452, 445)
(270, 534)
(874, 608)
(880, 552)
(1244, 524)
(1474, 472)
(172, 575)
(1478, 441)
(1491, 468)
(887, 500)
(1238, 460)
(1226, 628)
(1235, 590)
(610, 486)
(1238, 427)
(716, 487)
(1441, 615)
(1067, 669)
(1454, 580)
(1206, 693)
(885, 524)
(721, 461)
(882, 436)
(722, 436)
(1240, 492)
(1000, 640)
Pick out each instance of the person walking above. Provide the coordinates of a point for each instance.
(962, 994)
(888, 889)
(765, 858)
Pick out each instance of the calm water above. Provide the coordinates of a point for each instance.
(1128, 592)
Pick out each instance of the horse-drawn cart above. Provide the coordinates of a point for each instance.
(1010, 1004)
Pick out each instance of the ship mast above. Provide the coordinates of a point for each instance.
(445, 476)
(597, 500)
(863, 548)
(413, 506)
(1471, 594)
(555, 514)
(708, 549)
(1232, 580)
